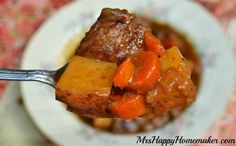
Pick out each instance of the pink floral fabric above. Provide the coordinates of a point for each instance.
(20, 19)
(225, 12)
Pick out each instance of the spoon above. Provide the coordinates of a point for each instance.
(43, 76)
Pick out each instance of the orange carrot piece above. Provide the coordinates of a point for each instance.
(123, 73)
(153, 44)
(128, 107)
(147, 71)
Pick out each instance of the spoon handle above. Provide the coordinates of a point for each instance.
(43, 76)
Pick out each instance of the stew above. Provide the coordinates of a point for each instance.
(130, 74)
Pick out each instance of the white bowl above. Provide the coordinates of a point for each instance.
(48, 44)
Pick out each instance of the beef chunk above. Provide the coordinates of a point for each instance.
(115, 35)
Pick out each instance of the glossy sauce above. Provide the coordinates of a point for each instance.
(169, 37)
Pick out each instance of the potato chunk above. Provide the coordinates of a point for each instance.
(102, 123)
(171, 58)
(85, 75)
(85, 85)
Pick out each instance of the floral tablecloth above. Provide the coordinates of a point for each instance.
(20, 18)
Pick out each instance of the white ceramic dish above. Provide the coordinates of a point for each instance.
(47, 45)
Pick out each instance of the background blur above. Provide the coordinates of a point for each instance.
(19, 19)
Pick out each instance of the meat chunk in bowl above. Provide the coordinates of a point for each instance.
(143, 79)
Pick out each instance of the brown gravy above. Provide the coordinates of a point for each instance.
(169, 37)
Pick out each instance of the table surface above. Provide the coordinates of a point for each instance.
(20, 19)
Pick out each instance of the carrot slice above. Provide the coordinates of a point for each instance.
(153, 44)
(123, 73)
(128, 107)
(147, 71)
